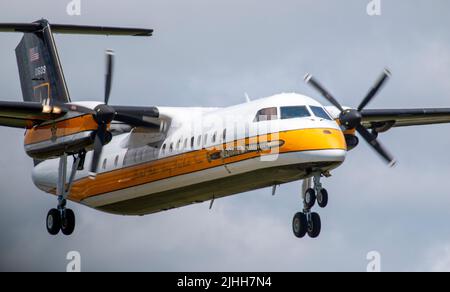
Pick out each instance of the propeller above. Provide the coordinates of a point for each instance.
(351, 118)
(104, 115)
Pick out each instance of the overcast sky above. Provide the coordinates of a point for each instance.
(209, 53)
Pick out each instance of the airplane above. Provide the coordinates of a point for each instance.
(140, 160)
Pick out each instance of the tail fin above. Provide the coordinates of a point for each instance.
(40, 70)
(41, 75)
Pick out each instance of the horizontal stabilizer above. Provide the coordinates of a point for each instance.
(75, 29)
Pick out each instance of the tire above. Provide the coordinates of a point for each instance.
(322, 198)
(300, 225)
(314, 226)
(53, 222)
(68, 222)
(310, 198)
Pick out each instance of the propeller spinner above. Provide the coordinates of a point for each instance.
(351, 118)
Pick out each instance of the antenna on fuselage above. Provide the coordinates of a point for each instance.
(247, 98)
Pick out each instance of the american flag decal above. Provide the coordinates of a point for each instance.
(34, 54)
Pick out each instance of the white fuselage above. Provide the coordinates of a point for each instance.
(204, 153)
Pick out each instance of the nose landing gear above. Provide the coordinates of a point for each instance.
(308, 222)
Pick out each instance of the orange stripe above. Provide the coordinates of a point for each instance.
(350, 132)
(60, 129)
(298, 140)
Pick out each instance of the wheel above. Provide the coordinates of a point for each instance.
(300, 225)
(314, 225)
(322, 198)
(310, 198)
(68, 222)
(53, 221)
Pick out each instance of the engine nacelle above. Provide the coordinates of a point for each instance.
(53, 139)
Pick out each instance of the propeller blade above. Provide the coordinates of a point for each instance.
(98, 148)
(109, 74)
(375, 89)
(372, 140)
(309, 79)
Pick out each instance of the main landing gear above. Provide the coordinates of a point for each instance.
(308, 222)
(61, 218)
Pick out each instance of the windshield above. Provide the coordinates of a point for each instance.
(320, 112)
(291, 112)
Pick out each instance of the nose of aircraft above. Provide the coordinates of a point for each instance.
(322, 144)
(317, 139)
(332, 139)
(333, 145)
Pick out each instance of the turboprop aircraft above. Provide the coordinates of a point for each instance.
(141, 160)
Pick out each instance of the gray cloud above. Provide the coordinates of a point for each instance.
(209, 53)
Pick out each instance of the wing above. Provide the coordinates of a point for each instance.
(29, 114)
(26, 114)
(382, 120)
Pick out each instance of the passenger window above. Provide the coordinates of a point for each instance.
(199, 140)
(292, 112)
(116, 161)
(179, 144)
(104, 163)
(266, 114)
(171, 148)
(205, 140)
(224, 135)
(214, 137)
(192, 142)
(185, 144)
(164, 149)
(320, 112)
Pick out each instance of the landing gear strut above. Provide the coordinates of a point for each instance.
(61, 218)
(308, 222)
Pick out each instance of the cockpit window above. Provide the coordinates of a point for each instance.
(320, 112)
(291, 112)
(266, 114)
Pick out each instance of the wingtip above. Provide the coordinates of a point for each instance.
(307, 78)
(393, 163)
(387, 72)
